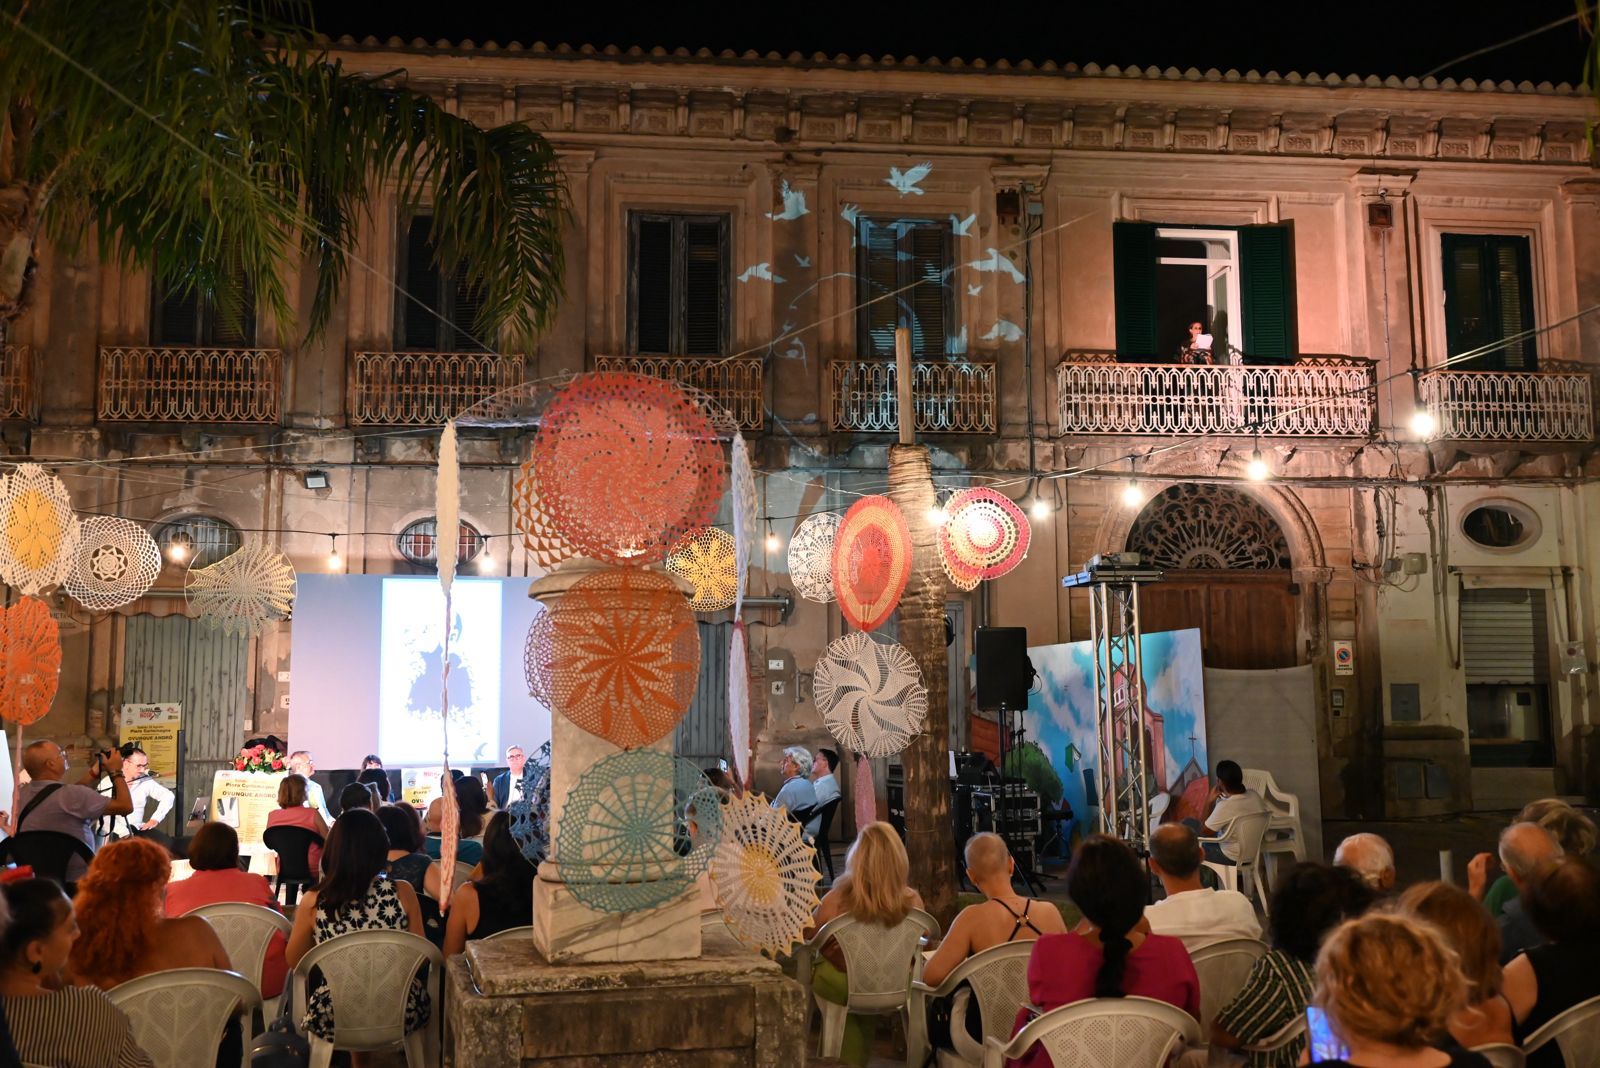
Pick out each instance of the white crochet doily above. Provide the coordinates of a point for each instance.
(38, 532)
(245, 590)
(765, 875)
(739, 702)
(745, 519)
(707, 557)
(870, 694)
(811, 556)
(115, 562)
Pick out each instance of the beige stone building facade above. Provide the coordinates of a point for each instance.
(757, 225)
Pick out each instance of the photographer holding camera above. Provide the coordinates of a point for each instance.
(48, 803)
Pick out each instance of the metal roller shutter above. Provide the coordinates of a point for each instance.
(1505, 636)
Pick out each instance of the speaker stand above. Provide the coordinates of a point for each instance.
(1003, 808)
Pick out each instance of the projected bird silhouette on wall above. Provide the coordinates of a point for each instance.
(906, 182)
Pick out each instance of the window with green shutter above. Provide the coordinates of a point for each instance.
(181, 317)
(1488, 297)
(1134, 261)
(433, 311)
(678, 284)
(902, 279)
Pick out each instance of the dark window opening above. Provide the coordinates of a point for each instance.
(678, 284)
(903, 280)
(434, 311)
(1488, 297)
(180, 316)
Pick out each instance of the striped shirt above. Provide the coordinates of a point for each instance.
(74, 1028)
(1278, 989)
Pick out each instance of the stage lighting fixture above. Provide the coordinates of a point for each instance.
(316, 480)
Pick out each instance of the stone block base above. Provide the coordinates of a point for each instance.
(728, 1008)
(566, 931)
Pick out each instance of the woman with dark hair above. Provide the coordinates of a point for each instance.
(1109, 954)
(407, 861)
(52, 1022)
(214, 856)
(1309, 901)
(354, 895)
(1563, 901)
(378, 780)
(501, 899)
(357, 795)
(474, 806)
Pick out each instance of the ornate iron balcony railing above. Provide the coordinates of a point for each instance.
(1510, 405)
(429, 388)
(737, 385)
(949, 396)
(1316, 396)
(140, 384)
(19, 383)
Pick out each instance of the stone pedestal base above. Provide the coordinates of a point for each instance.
(566, 931)
(728, 1008)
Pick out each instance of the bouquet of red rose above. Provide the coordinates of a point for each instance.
(259, 758)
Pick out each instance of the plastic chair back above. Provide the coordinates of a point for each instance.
(1247, 832)
(509, 934)
(881, 961)
(178, 1016)
(369, 974)
(293, 846)
(1575, 1032)
(823, 851)
(999, 980)
(1280, 1038)
(48, 853)
(1131, 1032)
(1501, 1055)
(462, 876)
(245, 932)
(1223, 968)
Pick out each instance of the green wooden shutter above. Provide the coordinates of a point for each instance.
(1266, 260)
(705, 282)
(1488, 296)
(877, 276)
(417, 310)
(1134, 263)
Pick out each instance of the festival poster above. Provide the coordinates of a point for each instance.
(155, 728)
(419, 786)
(243, 800)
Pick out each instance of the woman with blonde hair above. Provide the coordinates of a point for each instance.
(872, 890)
(1575, 831)
(1470, 931)
(1390, 985)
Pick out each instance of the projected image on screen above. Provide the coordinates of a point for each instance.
(411, 671)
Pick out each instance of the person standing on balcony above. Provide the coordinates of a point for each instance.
(1198, 348)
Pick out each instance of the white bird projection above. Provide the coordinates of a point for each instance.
(794, 203)
(802, 261)
(997, 263)
(761, 270)
(957, 346)
(963, 227)
(973, 291)
(905, 182)
(1003, 330)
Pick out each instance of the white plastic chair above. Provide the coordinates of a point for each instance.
(1285, 834)
(1130, 1032)
(245, 932)
(997, 979)
(1576, 1032)
(369, 974)
(525, 931)
(881, 963)
(1502, 1055)
(1280, 1038)
(1223, 968)
(179, 1016)
(1246, 832)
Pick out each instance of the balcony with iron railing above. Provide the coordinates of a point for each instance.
(948, 396)
(737, 384)
(1313, 397)
(430, 388)
(171, 384)
(1551, 405)
(19, 383)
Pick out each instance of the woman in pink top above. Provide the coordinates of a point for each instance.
(214, 856)
(1109, 954)
(292, 812)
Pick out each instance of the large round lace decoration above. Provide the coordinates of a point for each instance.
(765, 875)
(636, 831)
(530, 813)
(745, 519)
(32, 661)
(626, 656)
(707, 557)
(38, 531)
(538, 650)
(871, 561)
(984, 536)
(245, 590)
(115, 562)
(739, 701)
(626, 464)
(870, 694)
(546, 547)
(811, 556)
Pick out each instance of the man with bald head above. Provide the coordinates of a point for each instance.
(1523, 848)
(47, 803)
(1003, 916)
(1370, 857)
(1192, 912)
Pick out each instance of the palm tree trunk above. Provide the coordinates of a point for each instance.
(929, 838)
(16, 250)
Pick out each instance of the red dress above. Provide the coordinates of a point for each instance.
(1063, 967)
(218, 887)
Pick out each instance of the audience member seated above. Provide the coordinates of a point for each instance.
(873, 889)
(1370, 857)
(1194, 914)
(214, 856)
(354, 895)
(1563, 900)
(797, 794)
(357, 795)
(1574, 830)
(376, 780)
(1107, 955)
(1523, 848)
(1389, 985)
(48, 803)
(407, 862)
(294, 811)
(1003, 916)
(1310, 900)
(1469, 931)
(824, 783)
(474, 806)
(1227, 801)
(52, 1022)
(723, 781)
(501, 899)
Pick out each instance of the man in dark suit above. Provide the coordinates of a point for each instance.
(508, 784)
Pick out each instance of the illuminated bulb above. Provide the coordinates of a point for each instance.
(772, 542)
(1423, 424)
(1039, 509)
(485, 560)
(177, 552)
(1132, 495)
(938, 516)
(1257, 467)
(334, 561)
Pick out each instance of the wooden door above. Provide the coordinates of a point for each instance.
(1246, 621)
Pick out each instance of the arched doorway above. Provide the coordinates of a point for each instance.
(1228, 572)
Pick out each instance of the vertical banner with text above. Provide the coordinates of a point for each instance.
(155, 728)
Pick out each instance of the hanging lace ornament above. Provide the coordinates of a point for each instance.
(626, 656)
(811, 556)
(537, 653)
(32, 661)
(706, 557)
(245, 590)
(870, 694)
(530, 813)
(626, 464)
(984, 536)
(739, 702)
(540, 536)
(447, 513)
(38, 532)
(865, 793)
(871, 561)
(745, 518)
(636, 831)
(765, 875)
(115, 562)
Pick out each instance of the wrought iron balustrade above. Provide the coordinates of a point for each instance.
(19, 383)
(1316, 396)
(143, 384)
(947, 396)
(737, 385)
(1510, 405)
(430, 388)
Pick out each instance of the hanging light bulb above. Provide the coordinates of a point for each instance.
(486, 559)
(1423, 424)
(1257, 468)
(773, 544)
(1132, 495)
(938, 516)
(334, 561)
(1039, 509)
(178, 551)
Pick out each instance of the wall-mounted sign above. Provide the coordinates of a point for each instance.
(1344, 657)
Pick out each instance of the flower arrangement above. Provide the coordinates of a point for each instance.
(259, 758)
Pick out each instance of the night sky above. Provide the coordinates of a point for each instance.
(1402, 38)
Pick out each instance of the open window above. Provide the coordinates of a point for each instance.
(1488, 298)
(678, 284)
(433, 311)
